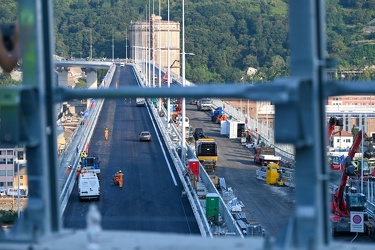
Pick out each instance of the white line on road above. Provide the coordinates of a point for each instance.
(162, 148)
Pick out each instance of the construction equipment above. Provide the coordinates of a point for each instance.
(206, 151)
(333, 121)
(340, 208)
(215, 113)
(358, 166)
(91, 164)
(273, 176)
(334, 161)
(265, 155)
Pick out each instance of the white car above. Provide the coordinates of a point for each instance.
(140, 102)
(145, 136)
(179, 121)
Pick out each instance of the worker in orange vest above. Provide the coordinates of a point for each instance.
(78, 172)
(120, 176)
(106, 134)
(67, 171)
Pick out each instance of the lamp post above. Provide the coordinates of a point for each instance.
(183, 85)
(169, 73)
(113, 46)
(90, 44)
(159, 48)
(18, 198)
(362, 160)
(126, 44)
(361, 127)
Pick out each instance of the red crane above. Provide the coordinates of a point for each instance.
(340, 208)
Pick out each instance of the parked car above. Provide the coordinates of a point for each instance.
(204, 104)
(140, 102)
(145, 136)
(179, 121)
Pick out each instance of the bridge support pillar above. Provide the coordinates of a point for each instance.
(91, 82)
(62, 76)
(92, 79)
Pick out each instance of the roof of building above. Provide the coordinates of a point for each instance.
(342, 133)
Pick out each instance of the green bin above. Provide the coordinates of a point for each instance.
(154, 101)
(212, 207)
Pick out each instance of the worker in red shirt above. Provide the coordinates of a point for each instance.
(120, 177)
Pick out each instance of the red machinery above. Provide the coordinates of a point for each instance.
(340, 208)
(333, 121)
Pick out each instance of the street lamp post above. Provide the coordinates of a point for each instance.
(159, 49)
(361, 127)
(113, 47)
(18, 199)
(126, 44)
(90, 44)
(183, 85)
(169, 73)
(362, 160)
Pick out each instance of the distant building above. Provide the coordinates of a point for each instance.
(154, 35)
(341, 139)
(351, 100)
(355, 110)
(12, 157)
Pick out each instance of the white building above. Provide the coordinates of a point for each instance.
(341, 140)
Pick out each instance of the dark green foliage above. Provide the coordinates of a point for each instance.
(8, 217)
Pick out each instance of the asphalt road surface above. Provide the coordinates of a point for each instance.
(150, 199)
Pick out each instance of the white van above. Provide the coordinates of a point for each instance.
(88, 186)
(179, 121)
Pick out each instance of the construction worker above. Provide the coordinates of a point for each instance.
(83, 154)
(85, 170)
(78, 172)
(116, 178)
(120, 176)
(106, 134)
(68, 169)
